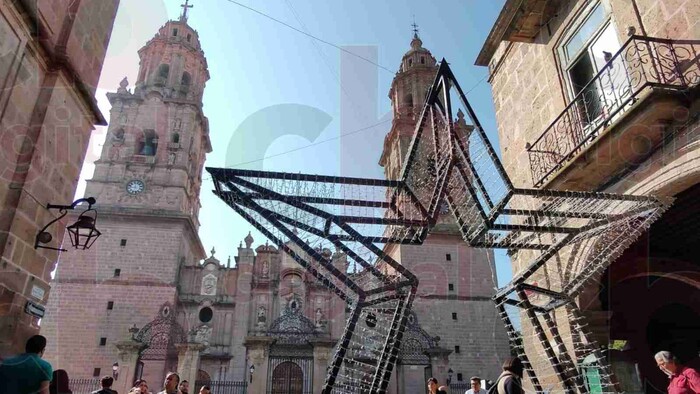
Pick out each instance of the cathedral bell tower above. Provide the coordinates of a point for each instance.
(147, 183)
(407, 95)
(158, 135)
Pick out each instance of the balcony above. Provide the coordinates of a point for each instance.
(637, 91)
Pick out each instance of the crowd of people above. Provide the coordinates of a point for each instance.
(509, 382)
(682, 379)
(28, 373)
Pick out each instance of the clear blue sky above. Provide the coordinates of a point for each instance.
(256, 63)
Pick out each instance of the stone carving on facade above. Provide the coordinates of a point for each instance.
(209, 285)
(123, 85)
(265, 270)
(262, 317)
(292, 327)
(320, 320)
(202, 334)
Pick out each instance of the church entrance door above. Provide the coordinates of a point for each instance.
(287, 378)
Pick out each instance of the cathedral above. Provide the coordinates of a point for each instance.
(147, 298)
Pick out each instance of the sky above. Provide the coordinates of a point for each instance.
(280, 100)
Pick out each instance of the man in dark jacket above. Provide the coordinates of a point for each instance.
(106, 383)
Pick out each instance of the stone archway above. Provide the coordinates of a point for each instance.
(417, 356)
(661, 272)
(160, 336)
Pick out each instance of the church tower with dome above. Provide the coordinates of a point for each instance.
(454, 330)
(147, 183)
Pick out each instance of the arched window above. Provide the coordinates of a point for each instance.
(147, 145)
(422, 60)
(185, 82)
(163, 74)
(176, 138)
(408, 100)
(410, 62)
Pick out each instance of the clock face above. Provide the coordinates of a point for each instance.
(135, 187)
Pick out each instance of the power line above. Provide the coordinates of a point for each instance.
(315, 143)
(310, 35)
(342, 135)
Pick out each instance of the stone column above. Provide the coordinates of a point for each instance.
(188, 360)
(439, 362)
(128, 356)
(323, 349)
(258, 351)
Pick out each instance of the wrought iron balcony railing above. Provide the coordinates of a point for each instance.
(642, 63)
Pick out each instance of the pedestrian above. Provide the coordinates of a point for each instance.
(433, 387)
(476, 386)
(184, 387)
(205, 390)
(27, 373)
(683, 380)
(142, 385)
(172, 380)
(59, 383)
(106, 383)
(510, 380)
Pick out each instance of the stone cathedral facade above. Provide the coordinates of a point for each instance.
(148, 298)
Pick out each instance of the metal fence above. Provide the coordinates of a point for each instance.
(83, 386)
(459, 387)
(222, 386)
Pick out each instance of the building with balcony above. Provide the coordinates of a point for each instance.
(602, 95)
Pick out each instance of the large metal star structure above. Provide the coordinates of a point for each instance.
(559, 241)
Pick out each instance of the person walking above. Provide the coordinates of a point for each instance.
(106, 382)
(476, 386)
(184, 387)
(205, 390)
(142, 385)
(27, 373)
(172, 380)
(510, 380)
(433, 387)
(682, 379)
(59, 383)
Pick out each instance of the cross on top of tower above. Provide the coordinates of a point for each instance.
(185, 7)
(415, 27)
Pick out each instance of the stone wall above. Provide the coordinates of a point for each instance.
(78, 314)
(477, 330)
(51, 57)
